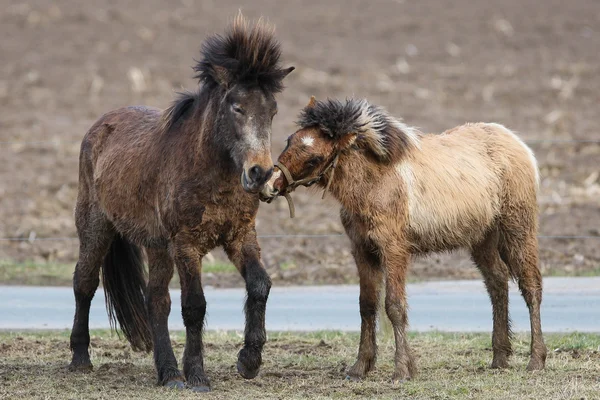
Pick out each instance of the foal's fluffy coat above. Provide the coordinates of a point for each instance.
(406, 193)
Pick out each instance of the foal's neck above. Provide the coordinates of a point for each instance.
(355, 180)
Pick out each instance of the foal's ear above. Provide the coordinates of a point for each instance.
(347, 140)
(312, 102)
(221, 75)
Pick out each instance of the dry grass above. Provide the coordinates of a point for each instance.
(452, 366)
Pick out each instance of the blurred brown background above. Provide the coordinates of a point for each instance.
(529, 64)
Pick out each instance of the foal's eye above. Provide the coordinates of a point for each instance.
(238, 109)
(314, 161)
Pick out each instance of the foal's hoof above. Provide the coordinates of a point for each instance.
(536, 365)
(178, 385)
(200, 389)
(400, 378)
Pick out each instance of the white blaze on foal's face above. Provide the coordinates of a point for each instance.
(308, 140)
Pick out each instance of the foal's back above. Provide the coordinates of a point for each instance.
(458, 184)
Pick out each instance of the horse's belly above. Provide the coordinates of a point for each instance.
(450, 222)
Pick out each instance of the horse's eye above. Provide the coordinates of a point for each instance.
(314, 161)
(238, 109)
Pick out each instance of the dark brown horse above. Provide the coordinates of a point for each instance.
(404, 193)
(180, 182)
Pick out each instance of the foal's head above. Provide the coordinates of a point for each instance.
(331, 128)
(243, 67)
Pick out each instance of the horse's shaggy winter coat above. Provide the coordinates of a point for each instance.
(170, 181)
(405, 193)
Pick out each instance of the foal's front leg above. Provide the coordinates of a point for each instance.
(395, 259)
(370, 275)
(245, 254)
(193, 310)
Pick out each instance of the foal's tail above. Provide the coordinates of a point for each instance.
(124, 284)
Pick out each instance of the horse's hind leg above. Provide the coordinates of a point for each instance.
(519, 250)
(495, 275)
(95, 236)
(158, 303)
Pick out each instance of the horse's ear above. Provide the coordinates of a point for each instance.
(312, 102)
(221, 75)
(287, 71)
(347, 140)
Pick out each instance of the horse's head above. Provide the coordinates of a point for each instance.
(243, 66)
(310, 154)
(248, 112)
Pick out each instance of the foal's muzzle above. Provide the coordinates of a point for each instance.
(255, 177)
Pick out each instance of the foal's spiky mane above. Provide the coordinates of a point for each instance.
(245, 54)
(386, 136)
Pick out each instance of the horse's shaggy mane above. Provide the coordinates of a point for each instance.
(374, 127)
(246, 54)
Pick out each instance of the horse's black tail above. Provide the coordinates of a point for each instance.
(124, 282)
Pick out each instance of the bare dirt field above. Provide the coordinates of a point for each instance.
(531, 65)
(303, 366)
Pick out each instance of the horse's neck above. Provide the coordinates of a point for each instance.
(205, 144)
(354, 180)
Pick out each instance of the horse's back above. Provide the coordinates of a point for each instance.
(116, 172)
(458, 180)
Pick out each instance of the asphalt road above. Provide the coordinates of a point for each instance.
(570, 304)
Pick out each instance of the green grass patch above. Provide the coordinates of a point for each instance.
(56, 274)
(303, 365)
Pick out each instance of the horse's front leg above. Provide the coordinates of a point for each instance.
(245, 254)
(193, 309)
(371, 275)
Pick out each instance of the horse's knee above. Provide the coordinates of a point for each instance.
(396, 310)
(193, 309)
(258, 284)
(368, 307)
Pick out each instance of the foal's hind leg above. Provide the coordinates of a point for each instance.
(371, 276)
(495, 275)
(95, 236)
(519, 250)
(158, 303)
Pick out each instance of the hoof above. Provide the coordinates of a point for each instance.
(200, 389)
(535, 365)
(399, 379)
(81, 368)
(499, 363)
(353, 378)
(178, 385)
(245, 372)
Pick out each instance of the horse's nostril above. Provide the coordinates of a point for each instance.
(255, 172)
(269, 174)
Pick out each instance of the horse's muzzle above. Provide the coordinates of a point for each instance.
(254, 180)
